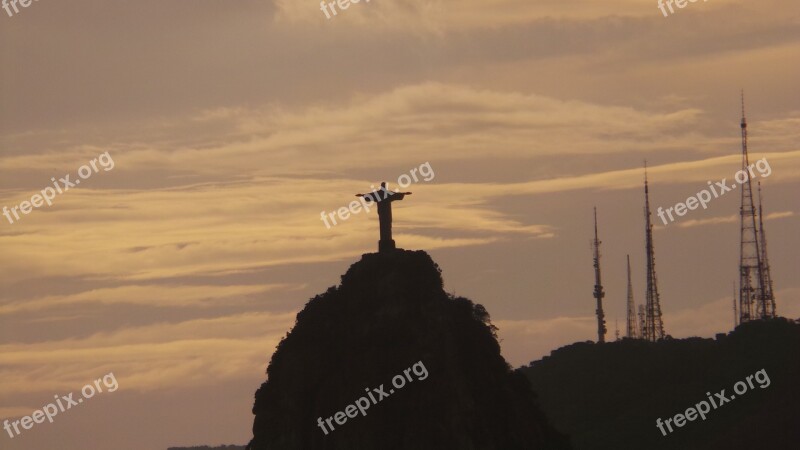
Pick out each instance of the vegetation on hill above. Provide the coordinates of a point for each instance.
(608, 396)
(389, 313)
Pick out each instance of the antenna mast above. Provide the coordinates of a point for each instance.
(641, 322)
(654, 325)
(598, 286)
(632, 328)
(752, 298)
(769, 295)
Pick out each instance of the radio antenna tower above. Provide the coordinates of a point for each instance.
(654, 325)
(752, 287)
(769, 296)
(598, 286)
(641, 322)
(632, 328)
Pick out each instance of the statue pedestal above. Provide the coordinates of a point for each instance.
(386, 245)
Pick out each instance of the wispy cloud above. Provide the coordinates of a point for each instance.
(729, 219)
(160, 356)
(194, 296)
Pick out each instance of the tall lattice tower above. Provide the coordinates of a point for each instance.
(752, 286)
(598, 286)
(641, 321)
(654, 325)
(632, 330)
(769, 295)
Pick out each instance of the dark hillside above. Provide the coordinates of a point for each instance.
(390, 314)
(609, 396)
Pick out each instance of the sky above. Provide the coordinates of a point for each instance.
(220, 131)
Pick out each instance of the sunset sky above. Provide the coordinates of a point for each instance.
(233, 125)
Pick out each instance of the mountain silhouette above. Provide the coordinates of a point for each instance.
(390, 328)
(609, 396)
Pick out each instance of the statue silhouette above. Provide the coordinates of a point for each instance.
(384, 198)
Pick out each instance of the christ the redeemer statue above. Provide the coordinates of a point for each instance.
(384, 198)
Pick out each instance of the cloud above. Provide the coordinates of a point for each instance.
(161, 356)
(251, 198)
(438, 16)
(191, 296)
(710, 221)
(779, 215)
(410, 122)
(729, 219)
